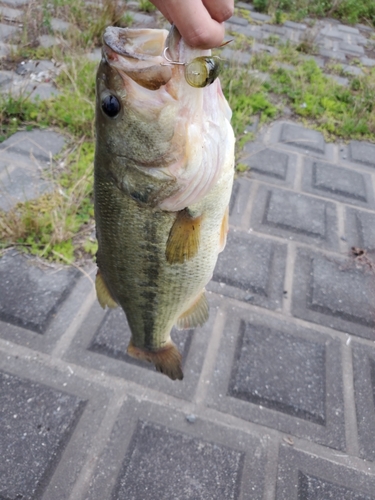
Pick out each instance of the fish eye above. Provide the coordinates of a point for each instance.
(111, 106)
(202, 71)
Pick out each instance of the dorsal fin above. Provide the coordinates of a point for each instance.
(196, 315)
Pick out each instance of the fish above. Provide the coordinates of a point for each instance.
(163, 175)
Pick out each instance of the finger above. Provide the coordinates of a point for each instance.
(193, 21)
(220, 10)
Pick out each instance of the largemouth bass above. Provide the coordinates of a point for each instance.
(164, 166)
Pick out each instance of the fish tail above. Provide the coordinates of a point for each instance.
(167, 359)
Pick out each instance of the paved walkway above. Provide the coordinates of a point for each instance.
(277, 402)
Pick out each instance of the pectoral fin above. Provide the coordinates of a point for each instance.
(167, 360)
(103, 294)
(184, 238)
(224, 229)
(196, 315)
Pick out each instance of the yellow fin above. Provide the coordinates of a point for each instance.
(184, 237)
(167, 360)
(196, 315)
(224, 229)
(102, 292)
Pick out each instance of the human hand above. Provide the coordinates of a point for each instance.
(200, 22)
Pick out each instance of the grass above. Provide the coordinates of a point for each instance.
(59, 225)
(348, 11)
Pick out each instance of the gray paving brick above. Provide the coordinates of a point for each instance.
(297, 26)
(352, 70)
(238, 20)
(154, 453)
(295, 216)
(236, 55)
(362, 152)
(350, 48)
(216, 469)
(30, 295)
(302, 138)
(15, 3)
(40, 143)
(335, 292)
(269, 164)
(337, 182)
(364, 391)
(367, 61)
(36, 423)
(257, 16)
(332, 54)
(59, 25)
(248, 30)
(239, 200)
(48, 41)
(6, 76)
(272, 372)
(332, 32)
(251, 269)
(20, 183)
(348, 29)
(6, 31)
(360, 229)
(113, 336)
(10, 14)
(306, 476)
(140, 18)
(280, 372)
(341, 80)
(244, 5)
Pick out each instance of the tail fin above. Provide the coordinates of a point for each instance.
(167, 360)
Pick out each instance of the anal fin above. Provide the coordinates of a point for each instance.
(196, 315)
(184, 238)
(103, 294)
(167, 360)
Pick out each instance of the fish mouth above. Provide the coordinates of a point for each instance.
(139, 44)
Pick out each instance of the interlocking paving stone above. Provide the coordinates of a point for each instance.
(353, 70)
(364, 391)
(337, 182)
(238, 20)
(362, 152)
(216, 470)
(297, 26)
(367, 61)
(15, 3)
(348, 29)
(349, 48)
(305, 476)
(302, 138)
(360, 229)
(251, 269)
(239, 200)
(154, 452)
(294, 215)
(280, 372)
(280, 375)
(29, 294)
(269, 163)
(335, 292)
(332, 54)
(260, 17)
(59, 25)
(40, 143)
(6, 76)
(18, 184)
(6, 31)
(10, 14)
(113, 336)
(36, 424)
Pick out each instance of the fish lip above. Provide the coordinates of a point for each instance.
(141, 44)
